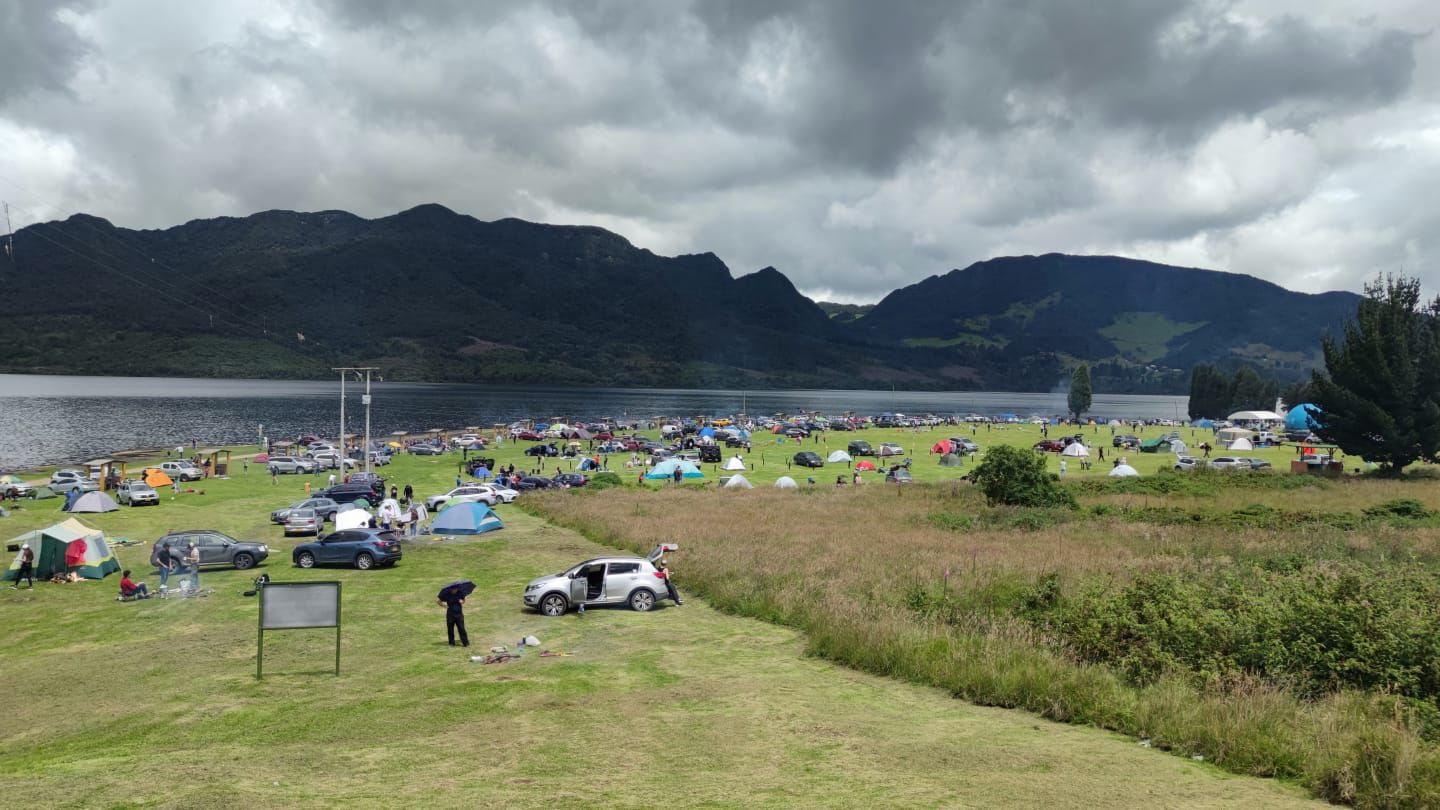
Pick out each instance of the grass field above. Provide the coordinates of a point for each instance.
(155, 704)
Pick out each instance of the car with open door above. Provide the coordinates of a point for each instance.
(216, 548)
(631, 581)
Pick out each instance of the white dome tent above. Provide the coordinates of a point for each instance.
(786, 482)
(1124, 471)
(738, 482)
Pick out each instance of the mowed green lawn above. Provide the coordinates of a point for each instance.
(155, 703)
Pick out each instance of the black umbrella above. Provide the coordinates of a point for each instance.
(460, 587)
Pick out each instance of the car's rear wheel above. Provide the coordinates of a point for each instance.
(554, 605)
(364, 561)
(642, 600)
(305, 559)
(244, 561)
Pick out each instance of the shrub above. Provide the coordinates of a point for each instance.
(1015, 476)
(604, 480)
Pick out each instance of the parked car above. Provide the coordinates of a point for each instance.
(1188, 463)
(324, 508)
(62, 481)
(137, 493)
(17, 489)
(352, 492)
(425, 450)
(891, 449)
(571, 479)
(632, 581)
(528, 436)
(542, 450)
(470, 493)
(181, 470)
(965, 445)
(1125, 441)
(709, 454)
(303, 521)
(1258, 464)
(1049, 445)
(899, 475)
(504, 492)
(528, 482)
(330, 459)
(216, 548)
(1229, 463)
(808, 459)
(361, 548)
(860, 447)
(283, 465)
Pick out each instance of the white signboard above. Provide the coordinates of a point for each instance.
(292, 605)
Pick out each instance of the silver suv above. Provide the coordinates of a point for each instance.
(632, 581)
(62, 481)
(287, 464)
(181, 470)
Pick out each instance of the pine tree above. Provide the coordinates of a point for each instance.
(1210, 393)
(1380, 396)
(1248, 392)
(1080, 391)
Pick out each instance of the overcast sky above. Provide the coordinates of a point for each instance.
(856, 146)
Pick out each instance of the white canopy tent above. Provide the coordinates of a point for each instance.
(738, 482)
(1076, 450)
(1124, 471)
(786, 482)
(838, 456)
(735, 463)
(1240, 444)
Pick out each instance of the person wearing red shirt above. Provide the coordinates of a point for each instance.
(130, 587)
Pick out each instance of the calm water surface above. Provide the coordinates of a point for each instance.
(52, 420)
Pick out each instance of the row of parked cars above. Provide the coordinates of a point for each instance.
(1221, 463)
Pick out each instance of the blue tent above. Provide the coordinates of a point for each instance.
(1302, 417)
(707, 431)
(466, 518)
(666, 469)
(481, 472)
(1204, 424)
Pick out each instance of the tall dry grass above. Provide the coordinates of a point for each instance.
(846, 567)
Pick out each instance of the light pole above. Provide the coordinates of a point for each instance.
(365, 400)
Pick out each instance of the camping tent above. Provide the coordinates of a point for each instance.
(67, 546)
(1302, 417)
(1179, 448)
(1115, 423)
(1206, 424)
(43, 494)
(1124, 471)
(838, 456)
(94, 502)
(786, 482)
(1230, 434)
(156, 477)
(1241, 444)
(951, 460)
(943, 446)
(865, 465)
(1154, 445)
(389, 510)
(1076, 450)
(735, 463)
(666, 469)
(738, 482)
(466, 518)
(352, 519)
(1254, 416)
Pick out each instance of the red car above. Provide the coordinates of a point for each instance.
(529, 436)
(603, 436)
(1050, 445)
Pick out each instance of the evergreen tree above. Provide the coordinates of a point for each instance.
(1380, 396)
(1080, 391)
(1248, 392)
(1210, 393)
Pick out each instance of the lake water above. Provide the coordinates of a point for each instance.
(52, 420)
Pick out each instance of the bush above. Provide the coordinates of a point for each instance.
(1015, 476)
(604, 480)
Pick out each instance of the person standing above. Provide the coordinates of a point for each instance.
(27, 568)
(274, 471)
(330, 482)
(409, 494)
(1062, 468)
(678, 474)
(454, 616)
(165, 564)
(192, 562)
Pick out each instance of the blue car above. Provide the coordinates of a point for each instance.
(361, 548)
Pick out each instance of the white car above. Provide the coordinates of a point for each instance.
(289, 464)
(1230, 463)
(470, 493)
(1188, 463)
(62, 481)
(181, 470)
(329, 460)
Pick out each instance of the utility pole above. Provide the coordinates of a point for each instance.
(365, 400)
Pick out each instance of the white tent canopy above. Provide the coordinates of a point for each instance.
(838, 456)
(352, 519)
(1254, 416)
(1124, 471)
(1179, 448)
(786, 482)
(1076, 450)
(738, 482)
(1241, 444)
(735, 463)
(1232, 433)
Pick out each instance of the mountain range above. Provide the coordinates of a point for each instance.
(429, 294)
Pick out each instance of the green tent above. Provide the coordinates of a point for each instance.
(44, 494)
(64, 547)
(950, 460)
(1154, 445)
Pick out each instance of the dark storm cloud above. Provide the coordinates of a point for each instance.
(855, 145)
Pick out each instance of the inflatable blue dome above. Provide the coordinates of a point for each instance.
(1302, 417)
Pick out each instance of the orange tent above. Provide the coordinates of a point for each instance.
(156, 477)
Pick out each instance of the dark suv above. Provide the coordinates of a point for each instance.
(809, 459)
(709, 454)
(362, 548)
(352, 492)
(860, 447)
(215, 548)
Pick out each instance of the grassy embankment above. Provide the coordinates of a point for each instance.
(1214, 615)
(155, 704)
